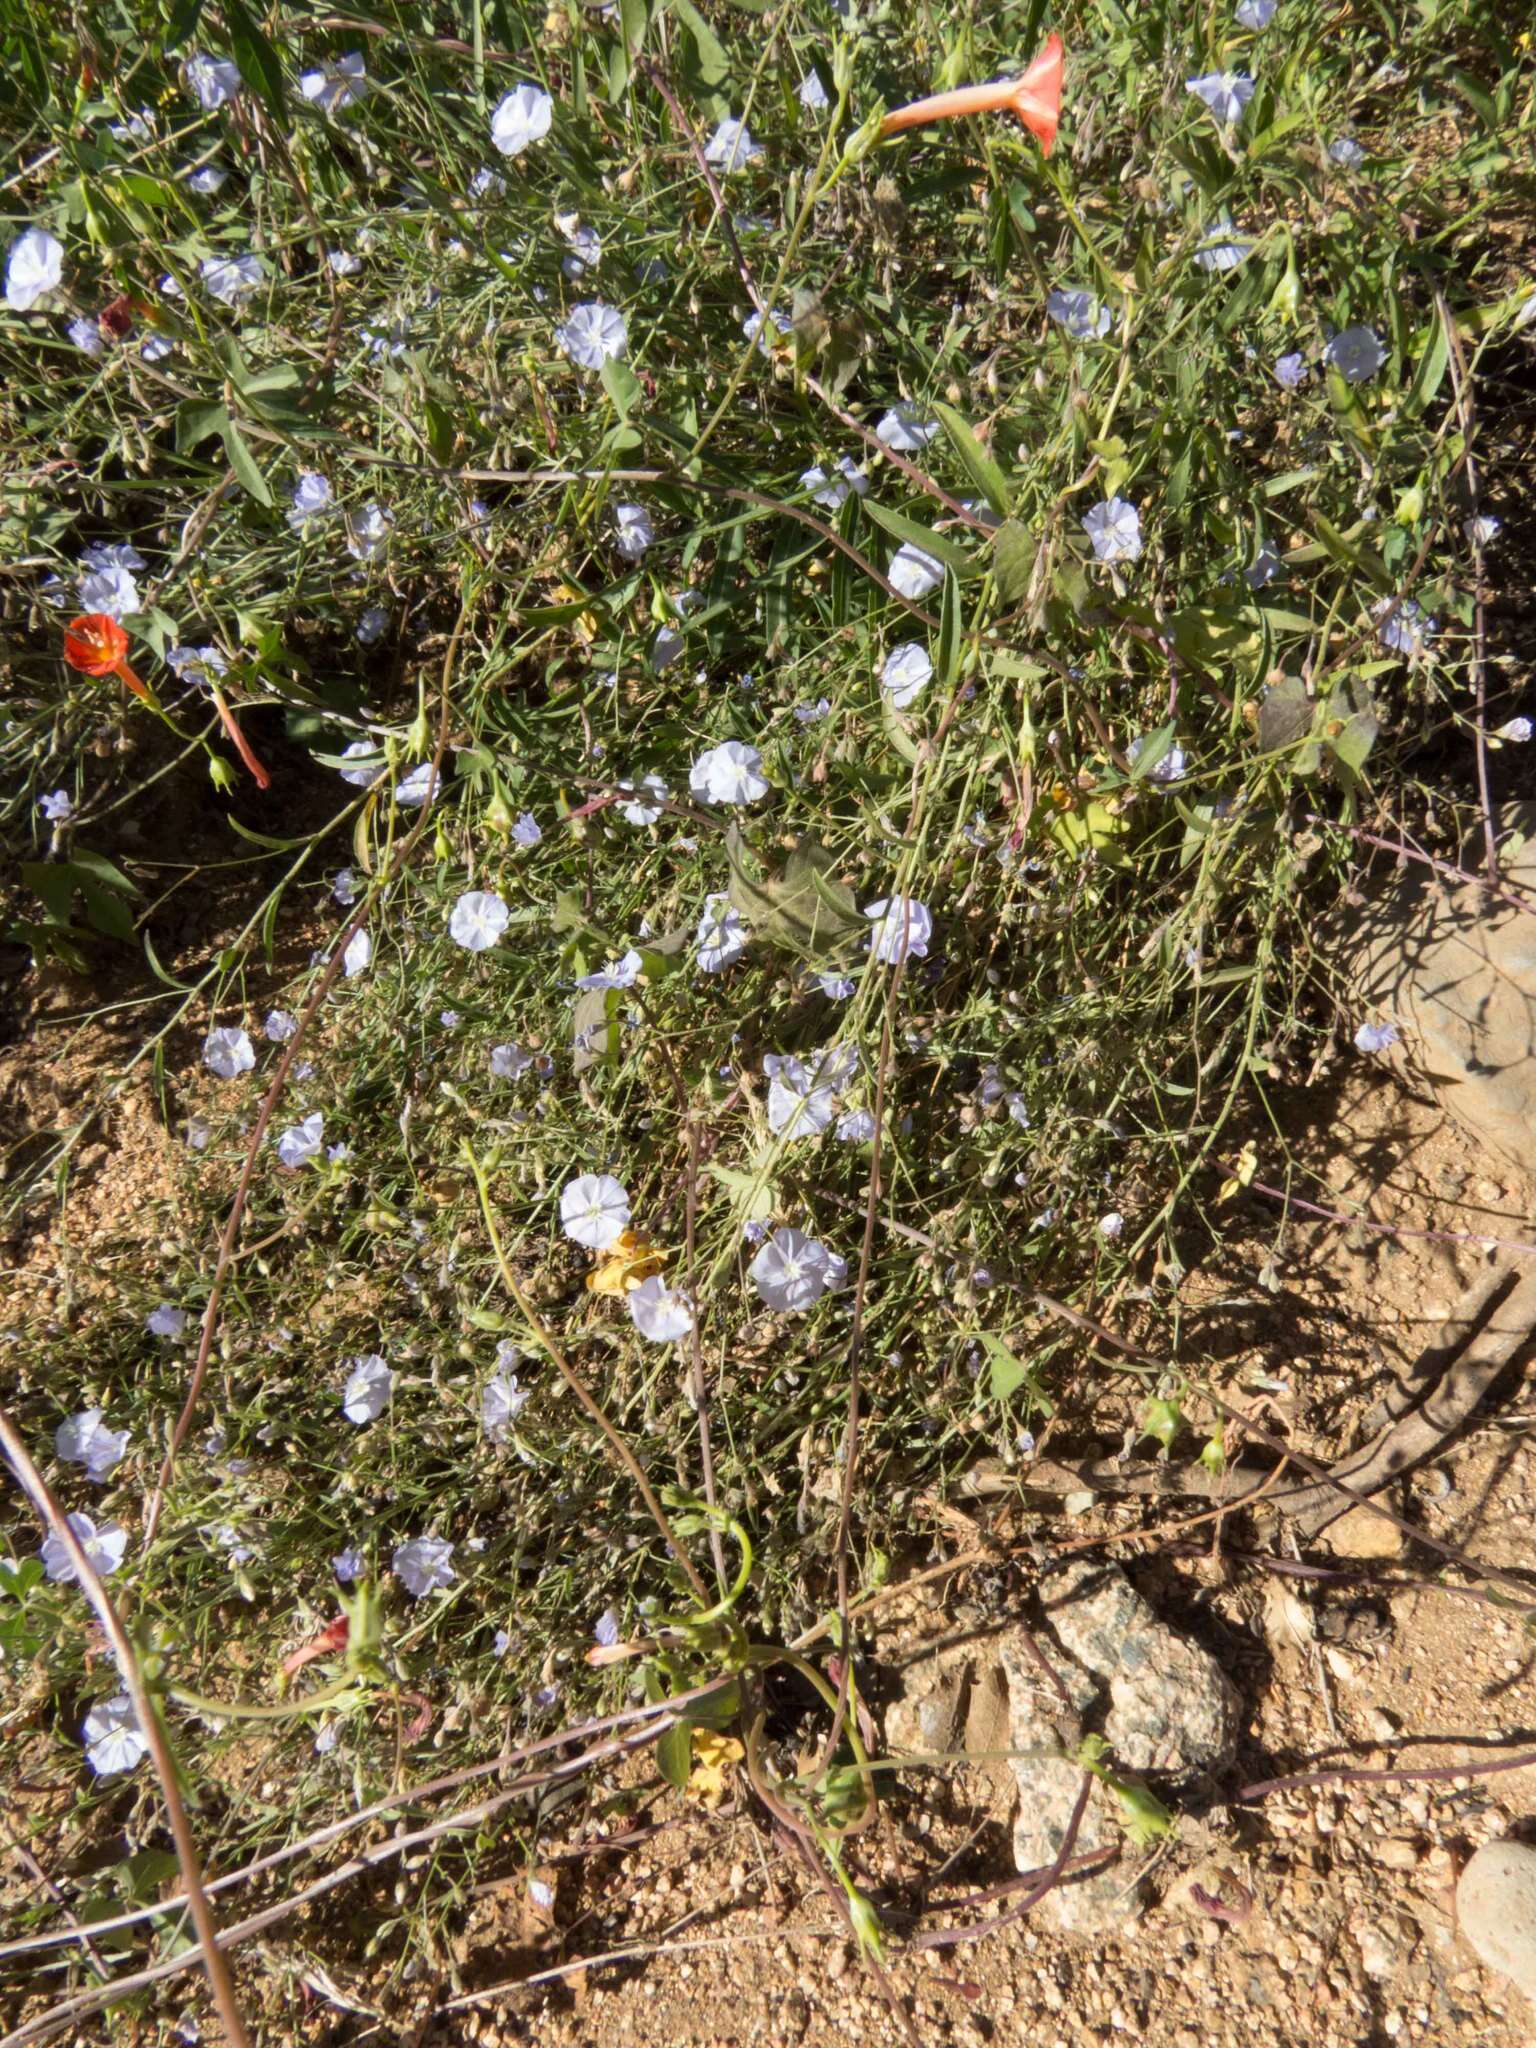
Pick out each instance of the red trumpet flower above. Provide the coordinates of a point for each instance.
(1035, 99)
(96, 645)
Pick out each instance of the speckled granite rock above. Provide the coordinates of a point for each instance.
(1496, 1906)
(1171, 1711)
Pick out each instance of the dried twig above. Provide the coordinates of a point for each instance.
(150, 1727)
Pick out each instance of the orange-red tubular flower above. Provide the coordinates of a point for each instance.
(96, 645)
(1035, 99)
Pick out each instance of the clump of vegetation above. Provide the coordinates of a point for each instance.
(759, 718)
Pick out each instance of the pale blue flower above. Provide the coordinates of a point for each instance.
(58, 807)
(914, 572)
(302, 1141)
(721, 936)
(1376, 1037)
(33, 268)
(228, 1051)
(901, 926)
(369, 1386)
(1291, 371)
(527, 831)
(1226, 93)
(1084, 316)
(105, 1545)
(423, 1565)
(1115, 530)
(731, 147)
(521, 118)
(113, 1738)
(211, 80)
(592, 334)
(1356, 353)
(335, 84)
(904, 428)
(594, 1210)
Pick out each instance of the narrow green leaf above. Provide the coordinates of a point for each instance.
(184, 17)
(1429, 371)
(633, 17)
(980, 467)
(245, 466)
(951, 630)
(260, 65)
(939, 545)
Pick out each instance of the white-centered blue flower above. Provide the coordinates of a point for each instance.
(502, 1399)
(1084, 316)
(1376, 1037)
(731, 147)
(646, 798)
(372, 625)
(487, 184)
(57, 806)
(731, 773)
(211, 80)
(301, 1142)
(1223, 247)
(366, 1393)
(1115, 530)
(907, 673)
(423, 1565)
(368, 531)
(228, 1051)
(232, 280)
(914, 572)
(902, 926)
(369, 759)
(1256, 14)
(33, 268)
(754, 323)
(343, 262)
(660, 1313)
(478, 920)
(526, 830)
(86, 1440)
(105, 1545)
(509, 1062)
(311, 498)
(87, 337)
(521, 118)
(1112, 1226)
(634, 532)
(166, 1321)
(280, 1026)
(621, 973)
(1346, 153)
(1405, 626)
(113, 1738)
(1291, 371)
(413, 790)
(335, 84)
(802, 1097)
(812, 94)
(593, 334)
(1171, 765)
(1356, 353)
(206, 180)
(791, 1272)
(594, 1210)
(834, 491)
(1516, 731)
(107, 584)
(358, 957)
(1226, 93)
(856, 1126)
(721, 936)
(906, 428)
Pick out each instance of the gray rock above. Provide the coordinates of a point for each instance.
(1496, 1906)
(1170, 1710)
(1454, 968)
(1048, 1785)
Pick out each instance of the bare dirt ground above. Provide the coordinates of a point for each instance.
(1351, 1938)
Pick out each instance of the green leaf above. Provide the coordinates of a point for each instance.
(674, 1755)
(183, 19)
(951, 630)
(936, 544)
(980, 467)
(1152, 750)
(709, 67)
(1429, 371)
(244, 464)
(198, 420)
(754, 1191)
(805, 910)
(621, 385)
(1013, 560)
(633, 19)
(1353, 743)
(1008, 1372)
(260, 65)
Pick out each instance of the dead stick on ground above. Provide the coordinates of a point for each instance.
(150, 1727)
(1455, 1392)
